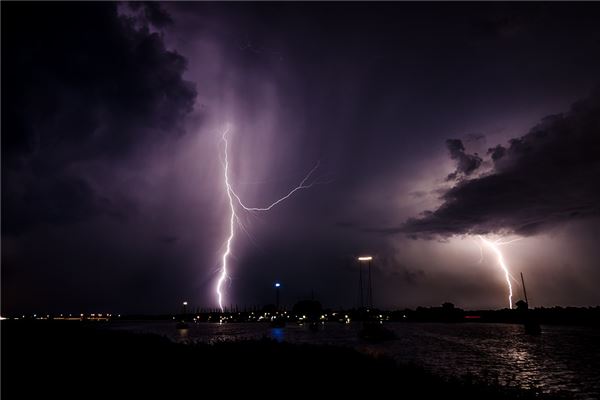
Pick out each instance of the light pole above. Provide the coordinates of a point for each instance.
(184, 307)
(277, 286)
(370, 287)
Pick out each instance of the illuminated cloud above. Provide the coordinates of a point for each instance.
(549, 176)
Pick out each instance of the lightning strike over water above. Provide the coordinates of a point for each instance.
(232, 218)
(494, 246)
(231, 195)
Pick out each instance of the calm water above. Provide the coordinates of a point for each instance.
(562, 359)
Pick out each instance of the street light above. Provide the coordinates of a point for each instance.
(370, 288)
(277, 286)
(184, 307)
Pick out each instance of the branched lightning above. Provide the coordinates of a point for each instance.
(233, 217)
(302, 185)
(494, 246)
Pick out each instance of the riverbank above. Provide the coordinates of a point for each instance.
(72, 359)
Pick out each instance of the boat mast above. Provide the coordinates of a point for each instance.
(524, 290)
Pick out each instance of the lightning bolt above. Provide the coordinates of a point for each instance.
(233, 198)
(302, 185)
(232, 218)
(495, 247)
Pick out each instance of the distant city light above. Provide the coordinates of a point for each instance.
(365, 258)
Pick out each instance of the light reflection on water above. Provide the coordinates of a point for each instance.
(562, 359)
(278, 334)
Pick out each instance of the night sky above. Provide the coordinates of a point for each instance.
(432, 122)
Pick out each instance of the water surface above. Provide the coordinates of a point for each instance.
(562, 359)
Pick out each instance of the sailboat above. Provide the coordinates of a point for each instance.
(530, 323)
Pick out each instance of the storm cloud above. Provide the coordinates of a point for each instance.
(83, 85)
(547, 177)
(466, 163)
(112, 178)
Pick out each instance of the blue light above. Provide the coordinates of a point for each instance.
(277, 284)
(277, 334)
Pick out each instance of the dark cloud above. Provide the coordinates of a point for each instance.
(153, 13)
(547, 177)
(82, 85)
(497, 152)
(466, 164)
(55, 200)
